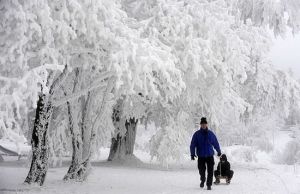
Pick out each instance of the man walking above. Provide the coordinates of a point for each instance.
(204, 140)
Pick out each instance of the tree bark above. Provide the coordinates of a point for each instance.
(39, 142)
(122, 146)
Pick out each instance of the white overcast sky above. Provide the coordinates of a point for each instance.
(285, 53)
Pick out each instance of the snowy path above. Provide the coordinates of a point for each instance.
(129, 180)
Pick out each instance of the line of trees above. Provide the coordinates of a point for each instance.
(92, 71)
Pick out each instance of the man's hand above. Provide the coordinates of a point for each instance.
(219, 154)
(192, 157)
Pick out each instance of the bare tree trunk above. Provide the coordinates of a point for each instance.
(39, 141)
(122, 146)
(130, 135)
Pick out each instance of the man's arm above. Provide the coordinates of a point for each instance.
(193, 145)
(215, 144)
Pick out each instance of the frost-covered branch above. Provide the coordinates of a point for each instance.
(58, 81)
(98, 84)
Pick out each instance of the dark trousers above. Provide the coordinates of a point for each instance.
(228, 173)
(208, 162)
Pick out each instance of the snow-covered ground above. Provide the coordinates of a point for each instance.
(255, 172)
(106, 178)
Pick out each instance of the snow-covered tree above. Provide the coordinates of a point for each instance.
(276, 15)
(218, 47)
(64, 37)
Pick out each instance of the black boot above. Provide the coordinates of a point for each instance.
(208, 187)
(227, 181)
(202, 184)
(217, 181)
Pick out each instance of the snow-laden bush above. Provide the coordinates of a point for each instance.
(290, 154)
(144, 134)
(256, 134)
(262, 144)
(242, 154)
(171, 142)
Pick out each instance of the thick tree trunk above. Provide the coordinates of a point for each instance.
(122, 146)
(39, 141)
(130, 135)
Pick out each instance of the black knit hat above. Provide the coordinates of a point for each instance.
(203, 120)
(223, 157)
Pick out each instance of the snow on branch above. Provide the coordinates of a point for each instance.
(56, 83)
(100, 110)
(97, 84)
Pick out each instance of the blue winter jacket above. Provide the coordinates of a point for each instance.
(204, 140)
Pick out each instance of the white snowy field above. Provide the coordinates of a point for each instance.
(107, 178)
(255, 172)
